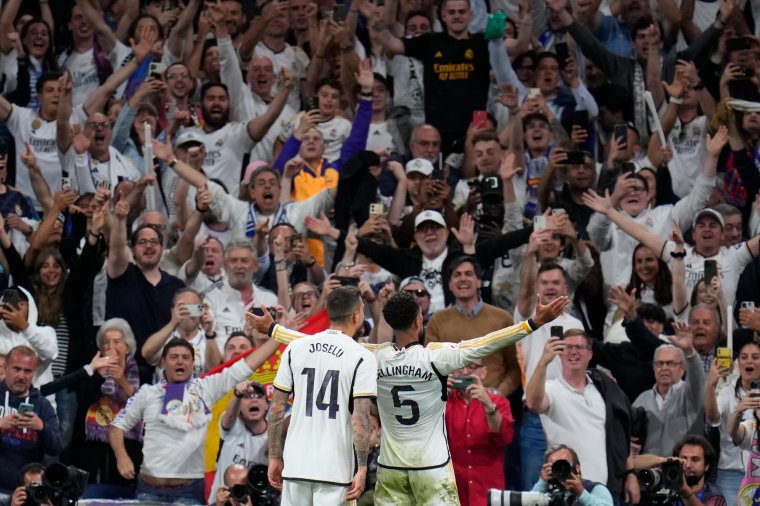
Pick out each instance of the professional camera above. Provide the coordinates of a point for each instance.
(66, 483)
(561, 470)
(661, 486)
(257, 488)
(37, 493)
(498, 497)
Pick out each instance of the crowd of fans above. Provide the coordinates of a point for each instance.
(168, 165)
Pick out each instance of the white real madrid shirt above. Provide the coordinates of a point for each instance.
(225, 149)
(411, 392)
(335, 131)
(326, 371)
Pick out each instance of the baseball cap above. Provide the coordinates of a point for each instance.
(709, 212)
(428, 215)
(187, 138)
(419, 165)
(258, 387)
(251, 167)
(408, 281)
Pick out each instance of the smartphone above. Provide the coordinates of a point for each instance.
(295, 240)
(11, 297)
(620, 131)
(347, 280)
(462, 382)
(339, 13)
(723, 355)
(310, 103)
(711, 270)
(479, 118)
(376, 209)
(579, 118)
(257, 311)
(539, 222)
(560, 49)
(194, 309)
(575, 158)
(748, 305)
(754, 385)
(534, 92)
(156, 70)
(66, 183)
(437, 175)
(746, 73)
(557, 331)
(25, 408)
(628, 167)
(738, 44)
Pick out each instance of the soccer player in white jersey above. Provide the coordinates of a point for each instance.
(414, 465)
(334, 379)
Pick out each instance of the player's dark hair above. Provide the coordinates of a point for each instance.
(177, 342)
(401, 310)
(342, 302)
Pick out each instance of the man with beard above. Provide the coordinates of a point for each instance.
(228, 304)
(190, 321)
(25, 437)
(227, 142)
(139, 291)
(243, 431)
(176, 413)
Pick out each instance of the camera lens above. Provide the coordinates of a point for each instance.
(561, 470)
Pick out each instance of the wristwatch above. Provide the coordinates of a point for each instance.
(492, 411)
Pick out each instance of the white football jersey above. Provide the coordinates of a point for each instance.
(411, 386)
(225, 149)
(326, 371)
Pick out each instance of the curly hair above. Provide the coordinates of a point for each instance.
(401, 310)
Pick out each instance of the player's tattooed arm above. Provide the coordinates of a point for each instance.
(276, 423)
(362, 429)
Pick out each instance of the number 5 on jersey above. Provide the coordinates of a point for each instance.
(398, 403)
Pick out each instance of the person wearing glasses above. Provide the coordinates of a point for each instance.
(138, 290)
(244, 432)
(485, 417)
(674, 406)
(582, 409)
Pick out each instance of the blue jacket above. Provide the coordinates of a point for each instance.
(17, 448)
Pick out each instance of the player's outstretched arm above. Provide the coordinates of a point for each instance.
(266, 325)
(276, 435)
(362, 434)
(449, 359)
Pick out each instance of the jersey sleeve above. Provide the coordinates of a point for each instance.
(132, 413)
(365, 384)
(283, 381)
(449, 357)
(284, 335)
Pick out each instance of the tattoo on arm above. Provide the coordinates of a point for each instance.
(275, 423)
(362, 429)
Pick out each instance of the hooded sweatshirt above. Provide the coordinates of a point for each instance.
(18, 448)
(41, 339)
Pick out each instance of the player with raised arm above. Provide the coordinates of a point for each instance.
(334, 379)
(414, 464)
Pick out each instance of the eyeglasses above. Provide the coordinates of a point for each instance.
(421, 292)
(637, 189)
(576, 347)
(255, 395)
(98, 124)
(306, 295)
(143, 242)
(183, 75)
(424, 227)
(112, 342)
(665, 363)
(429, 144)
(473, 367)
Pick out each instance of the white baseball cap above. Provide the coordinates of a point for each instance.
(187, 137)
(429, 215)
(419, 165)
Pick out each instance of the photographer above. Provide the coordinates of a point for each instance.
(236, 474)
(29, 475)
(561, 473)
(684, 485)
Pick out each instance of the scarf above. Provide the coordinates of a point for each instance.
(136, 79)
(183, 409)
(102, 63)
(749, 490)
(104, 410)
(639, 104)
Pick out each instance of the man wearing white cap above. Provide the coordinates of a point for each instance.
(708, 235)
(428, 262)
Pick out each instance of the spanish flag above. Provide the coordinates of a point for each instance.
(264, 375)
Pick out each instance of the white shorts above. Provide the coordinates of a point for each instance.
(310, 493)
(402, 487)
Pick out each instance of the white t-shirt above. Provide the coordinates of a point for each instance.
(335, 132)
(731, 263)
(688, 145)
(379, 138)
(577, 419)
(326, 371)
(293, 58)
(26, 125)
(432, 274)
(89, 172)
(240, 446)
(530, 349)
(225, 149)
(169, 452)
(228, 308)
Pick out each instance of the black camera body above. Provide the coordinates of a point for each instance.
(257, 488)
(661, 486)
(37, 493)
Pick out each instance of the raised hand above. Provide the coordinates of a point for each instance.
(260, 323)
(683, 338)
(549, 312)
(625, 301)
(716, 143)
(365, 78)
(595, 202)
(466, 233)
(507, 169)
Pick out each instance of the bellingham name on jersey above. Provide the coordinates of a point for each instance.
(404, 370)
